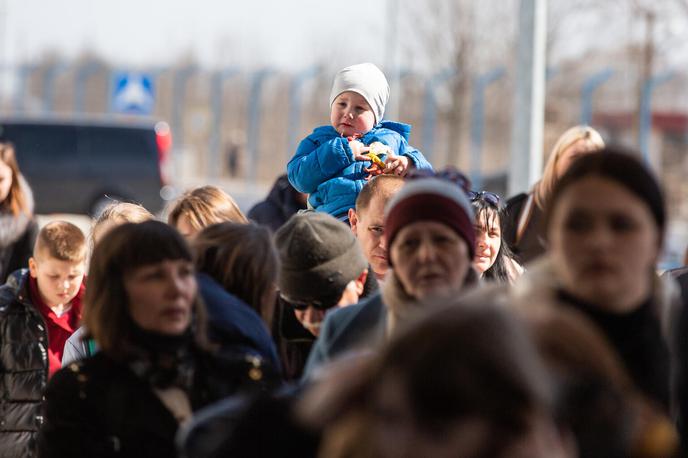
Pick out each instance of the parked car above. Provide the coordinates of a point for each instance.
(79, 166)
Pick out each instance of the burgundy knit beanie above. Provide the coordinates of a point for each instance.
(431, 199)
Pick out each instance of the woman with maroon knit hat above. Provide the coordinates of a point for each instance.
(431, 243)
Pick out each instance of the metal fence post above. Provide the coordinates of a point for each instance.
(25, 72)
(589, 87)
(49, 77)
(478, 122)
(646, 111)
(254, 112)
(82, 75)
(430, 110)
(395, 81)
(181, 78)
(216, 98)
(294, 121)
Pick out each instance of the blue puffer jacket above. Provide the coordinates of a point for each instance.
(324, 167)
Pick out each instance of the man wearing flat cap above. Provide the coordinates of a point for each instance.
(322, 268)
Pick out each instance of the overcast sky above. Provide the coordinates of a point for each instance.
(292, 34)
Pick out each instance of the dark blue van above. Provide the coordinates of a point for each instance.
(78, 166)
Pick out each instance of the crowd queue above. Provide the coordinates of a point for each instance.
(369, 307)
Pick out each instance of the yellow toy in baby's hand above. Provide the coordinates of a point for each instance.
(378, 166)
(375, 159)
(376, 149)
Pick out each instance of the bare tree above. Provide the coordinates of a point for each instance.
(467, 36)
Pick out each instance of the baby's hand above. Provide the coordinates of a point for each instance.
(398, 165)
(380, 148)
(359, 149)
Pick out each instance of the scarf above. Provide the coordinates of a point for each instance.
(164, 361)
(402, 308)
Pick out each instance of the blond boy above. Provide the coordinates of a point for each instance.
(39, 309)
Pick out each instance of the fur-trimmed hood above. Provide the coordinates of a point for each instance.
(538, 287)
(13, 227)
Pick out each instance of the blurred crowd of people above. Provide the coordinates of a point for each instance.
(369, 307)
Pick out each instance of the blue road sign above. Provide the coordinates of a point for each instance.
(133, 93)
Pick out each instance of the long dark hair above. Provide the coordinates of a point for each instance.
(243, 259)
(122, 250)
(489, 212)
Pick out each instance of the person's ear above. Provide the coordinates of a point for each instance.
(33, 267)
(360, 282)
(353, 221)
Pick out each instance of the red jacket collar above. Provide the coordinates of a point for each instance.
(47, 312)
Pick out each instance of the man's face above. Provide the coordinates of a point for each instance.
(368, 227)
(312, 317)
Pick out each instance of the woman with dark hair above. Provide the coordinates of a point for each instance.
(18, 229)
(605, 225)
(113, 215)
(237, 270)
(243, 259)
(493, 258)
(154, 367)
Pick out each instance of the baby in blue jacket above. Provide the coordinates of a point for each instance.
(331, 163)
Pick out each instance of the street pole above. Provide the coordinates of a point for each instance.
(480, 85)
(529, 107)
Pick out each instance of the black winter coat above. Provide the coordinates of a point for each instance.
(23, 368)
(532, 243)
(100, 408)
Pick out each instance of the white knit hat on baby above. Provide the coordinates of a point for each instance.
(367, 80)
